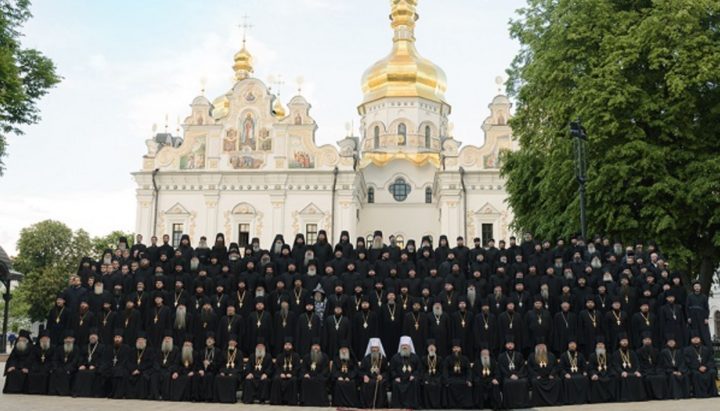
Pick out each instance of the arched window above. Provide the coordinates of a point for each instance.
(428, 195)
(400, 189)
(402, 132)
(428, 137)
(371, 195)
(376, 137)
(717, 323)
(400, 241)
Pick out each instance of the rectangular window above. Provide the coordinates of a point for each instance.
(177, 232)
(244, 235)
(487, 234)
(311, 232)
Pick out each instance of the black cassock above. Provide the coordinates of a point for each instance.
(185, 386)
(308, 328)
(230, 371)
(64, 366)
(40, 366)
(159, 319)
(284, 388)
(456, 375)
(565, 324)
(406, 392)
(259, 324)
(284, 326)
(487, 394)
(432, 382)
(15, 379)
(539, 325)
(616, 322)
(313, 381)
(575, 388)
(654, 377)
(439, 329)
(698, 312)
(256, 388)
(703, 383)
(366, 325)
(203, 326)
(138, 384)
(391, 323)
(485, 331)
(547, 389)
(515, 391)
(671, 320)
(336, 329)
(131, 322)
(604, 387)
(374, 392)
(630, 388)
(672, 362)
(415, 326)
(209, 364)
(106, 322)
(641, 323)
(114, 374)
(513, 324)
(344, 393)
(81, 324)
(165, 366)
(57, 322)
(591, 325)
(461, 329)
(86, 379)
(229, 325)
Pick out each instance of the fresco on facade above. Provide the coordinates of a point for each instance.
(195, 159)
(265, 142)
(248, 131)
(301, 159)
(230, 140)
(246, 160)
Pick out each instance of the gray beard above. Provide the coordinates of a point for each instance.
(558, 265)
(345, 357)
(259, 353)
(405, 352)
(437, 311)
(187, 354)
(284, 311)
(595, 264)
(315, 356)
(600, 352)
(68, 347)
(166, 346)
(377, 244)
(21, 346)
(311, 273)
(202, 245)
(107, 261)
(194, 264)
(544, 293)
(485, 360)
(308, 258)
(618, 250)
(277, 249)
(98, 290)
(180, 319)
(432, 354)
(44, 345)
(375, 356)
(140, 345)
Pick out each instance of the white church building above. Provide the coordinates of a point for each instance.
(247, 166)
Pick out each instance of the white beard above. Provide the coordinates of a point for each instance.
(259, 353)
(308, 257)
(194, 264)
(68, 347)
(44, 345)
(107, 260)
(377, 244)
(98, 289)
(202, 244)
(595, 264)
(311, 273)
(600, 351)
(437, 311)
(345, 357)
(21, 346)
(278, 248)
(180, 319)
(405, 352)
(187, 354)
(167, 346)
(140, 345)
(485, 360)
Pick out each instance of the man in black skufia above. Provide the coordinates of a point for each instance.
(115, 362)
(627, 366)
(485, 329)
(542, 373)
(314, 375)
(309, 328)
(231, 323)
(337, 328)
(344, 378)
(18, 364)
(65, 363)
(513, 373)
(439, 329)
(259, 372)
(415, 326)
(374, 374)
(86, 377)
(572, 369)
(259, 325)
(699, 360)
(159, 319)
(285, 323)
(591, 328)
(431, 377)
(671, 320)
(284, 388)
(672, 361)
(140, 369)
(405, 374)
(209, 364)
(486, 380)
(654, 377)
(183, 386)
(698, 312)
(457, 378)
(603, 381)
(40, 364)
(230, 372)
(165, 365)
(82, 320)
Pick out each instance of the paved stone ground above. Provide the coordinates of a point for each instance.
(46, 403)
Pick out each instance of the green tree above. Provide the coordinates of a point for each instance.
(38, 290)
(642, 75)
(100, 244)
(25, 74)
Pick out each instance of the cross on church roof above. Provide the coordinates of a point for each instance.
(245, 25)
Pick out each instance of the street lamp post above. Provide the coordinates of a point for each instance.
(579, 138)
(5, 276)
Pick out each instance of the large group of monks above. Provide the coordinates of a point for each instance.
(373, 325)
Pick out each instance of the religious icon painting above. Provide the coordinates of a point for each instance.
(195, 159)
(230, 140)
(248, 131)
(246, 160)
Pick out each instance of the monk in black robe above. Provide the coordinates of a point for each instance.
(672, 361)
(565, 324)
(643, 322)
(115, 362)
(539, 324)
(416, 327)
(40, 365)
(485, 329)
(391, 320)
(313, 377)
(374, 375)
(230, 372)
(439, 329)
(337, 328)
(511, 323)
(603, 381)
(513, 373)
(591, 327)
(17, 365)
(309, 327)
(486, 380)
(65, 363)
(284, 388)
(231, 323)
(184, 381)
(617, 322)
(671, 320)
(159, 319)
(572, 369)
(82, 321)
(432, 377)
(627, 366)
(405, 372)
(284, 326)
(59, 319)
(165, 366)
(654, 377)
(86, 378)
(366, 325)
(106, 321)
(457, 378)
(344, 378)
(259, 325)
(542, 373)
(140, 368)
(130, 321)
(461, 323)
(206, 321)
(258, 374)
(700, 363)
(698, 311)
(209, 364)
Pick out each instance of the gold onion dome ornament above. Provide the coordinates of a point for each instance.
(404, 73)
(243, 63)
(278, 108)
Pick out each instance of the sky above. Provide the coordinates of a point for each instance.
(127, 65)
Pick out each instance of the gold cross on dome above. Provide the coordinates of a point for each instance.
(245, 25)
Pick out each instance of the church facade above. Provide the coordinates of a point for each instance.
(248, 167)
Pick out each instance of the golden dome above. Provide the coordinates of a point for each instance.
(404, 73)
(278, 108)
(243, 63)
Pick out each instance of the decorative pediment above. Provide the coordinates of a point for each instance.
(311, 209)
(487, 209)
(243, 208)
(177, 209)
